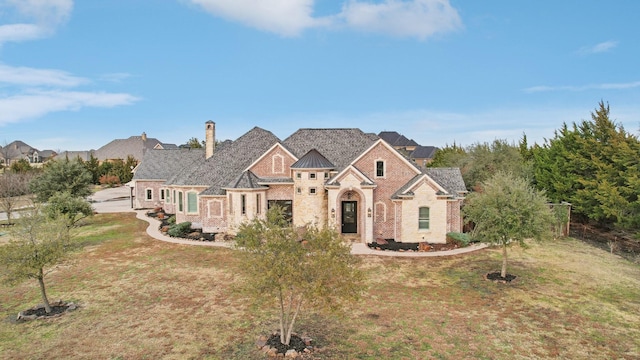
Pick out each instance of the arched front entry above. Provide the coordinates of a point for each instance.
(350, 221)
(350, 214)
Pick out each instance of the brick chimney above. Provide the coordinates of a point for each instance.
(144, 136)
(210, 142)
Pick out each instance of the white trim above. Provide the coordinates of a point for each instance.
(375, 168)
(393, 150)
(216, 202)
(429, 179)
(273, 164)
(357, 172)
(189, 202)
(268, 151)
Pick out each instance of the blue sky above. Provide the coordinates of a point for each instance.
(75, 75)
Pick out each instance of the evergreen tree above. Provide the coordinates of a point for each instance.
(595, 166)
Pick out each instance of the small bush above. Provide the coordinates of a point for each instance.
(179, 230)
(171, 220)
(462, 239)
(110, 180)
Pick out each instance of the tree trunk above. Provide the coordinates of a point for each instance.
(43, 292)
(293, 320)
(282, 315)
(503, 273)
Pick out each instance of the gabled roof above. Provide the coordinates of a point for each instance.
(339, 146)
(364, 179)
(313, 160)
(163, 164)
(423, 152)
(16, 149)
(395, 139)
(135, 146)
(247, 180)
(227, 163)
(449, 178)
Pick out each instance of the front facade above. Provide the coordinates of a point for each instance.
(18, 150)
(342, 178)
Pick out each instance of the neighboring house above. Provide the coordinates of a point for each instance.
(84, 155)
(342, 178)
(135, 146)
(19, 150)
(421, 155)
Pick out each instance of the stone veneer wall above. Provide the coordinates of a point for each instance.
(309, 208)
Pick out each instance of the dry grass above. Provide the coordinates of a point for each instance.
(145, 299)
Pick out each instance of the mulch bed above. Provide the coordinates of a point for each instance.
(296, 343)
(38, 312)
(497, 277)
(195, 234)
(392, 245)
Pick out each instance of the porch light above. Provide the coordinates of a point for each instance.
(333, 213)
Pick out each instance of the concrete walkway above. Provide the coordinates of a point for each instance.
(117, 200)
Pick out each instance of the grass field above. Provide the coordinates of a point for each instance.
(144, 299)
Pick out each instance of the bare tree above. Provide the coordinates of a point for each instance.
(12, 187)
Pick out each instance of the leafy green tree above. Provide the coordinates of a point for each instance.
(20, 166)
(315, 270)
(62, 176)
(71, 208)
(480, 161)
(194, 143)
(36, 244)
(448, 156)
(508, 211)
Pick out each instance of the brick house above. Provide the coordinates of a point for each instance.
(343, 178)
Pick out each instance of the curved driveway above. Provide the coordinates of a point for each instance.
(117, 200)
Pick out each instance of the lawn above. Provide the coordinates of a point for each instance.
(144, 299)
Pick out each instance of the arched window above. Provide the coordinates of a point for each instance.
(381, 212)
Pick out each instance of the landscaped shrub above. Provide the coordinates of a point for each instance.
(462, 239)
(110, 180)
(179, 230)
(171, 220)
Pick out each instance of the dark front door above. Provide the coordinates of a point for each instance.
(349, 217)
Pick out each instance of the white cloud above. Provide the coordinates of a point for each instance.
(39, 18)
(115, 77)
(598, 48)
(34, 104)
(284, 17)
(37, 77)
(405, 18)
(605, 86)
(417, 18)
